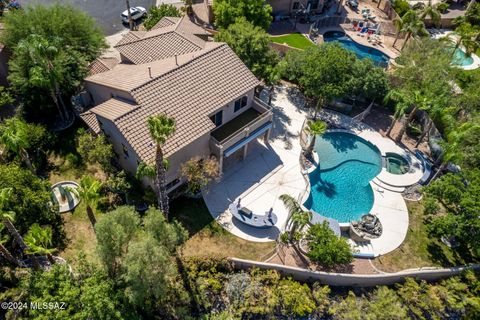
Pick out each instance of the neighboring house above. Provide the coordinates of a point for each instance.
(285, 7)
(173, 70)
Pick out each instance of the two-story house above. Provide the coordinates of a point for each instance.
(174, 70)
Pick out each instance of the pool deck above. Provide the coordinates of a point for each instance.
(273, 169)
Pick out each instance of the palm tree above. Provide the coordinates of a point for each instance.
(8, 217)
(45, 72)
(419, 102)
(39, 241)
(400, 107)
(413, 26)
(89, 191)
(398, 23)
(161, 127)
(314, 128)
(430, 11)
(436, 113)
(4, 251)
(14, 138)
(298, 217)
(465, 35)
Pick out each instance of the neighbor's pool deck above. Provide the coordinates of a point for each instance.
(274, 169)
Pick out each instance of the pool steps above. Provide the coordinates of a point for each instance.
(386, 186)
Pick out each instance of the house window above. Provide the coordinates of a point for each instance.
(217, 118)
(125, 150)
(240, 103)
(296, 5)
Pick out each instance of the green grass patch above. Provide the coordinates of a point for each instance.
(208, 238)
(418, 249)
(296, 40)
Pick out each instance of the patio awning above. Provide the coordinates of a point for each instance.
(255, 134)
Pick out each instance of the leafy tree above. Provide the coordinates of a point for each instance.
(115, 230)
(5, 98)
(325, 72)
(430, 11)
(39, 63)
(169, 235)
(369, 81)
(413, 26)
(161, 127)
(89, 296)
(298, 217)
(156, 14)
(145, 170)
(63, 35)
(420, 300)
(348, 308)
(14, 138)
(326, 248)
(95, 149)
(199, 172)
(8, 217)
(460, 196)
(39, 241)
(251, 44)
(401, 6)
(465, 35)
(257, 12)
(314, 129)
(89, 191)
(295, 299)
(384, 303)
(4, 251)
(31, 201)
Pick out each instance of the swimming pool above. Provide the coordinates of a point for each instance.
(339, 186)
(378, 57)
(461, 59)
(396, 164)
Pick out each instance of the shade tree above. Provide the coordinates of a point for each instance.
(257, 12)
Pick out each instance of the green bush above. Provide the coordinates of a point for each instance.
(443, 7)
(155, 14)
(401, 7)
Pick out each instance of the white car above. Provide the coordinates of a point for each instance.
(135, 12)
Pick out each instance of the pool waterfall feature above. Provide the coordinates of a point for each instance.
(340, 184)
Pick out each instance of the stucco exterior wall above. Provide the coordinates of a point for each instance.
(116, 138)
(229, 109)
(102, 93)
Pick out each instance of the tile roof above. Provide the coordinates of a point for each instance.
(166, 40)
(190, 94)
(165, 22)
(189, 79)
(103, 64)
(113, 109)
(127, 77)
(91, 120)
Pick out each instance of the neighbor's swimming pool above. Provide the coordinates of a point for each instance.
(378, 57)
(340, 186)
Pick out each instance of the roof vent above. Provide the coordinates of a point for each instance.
(176, 60)
(150, 72)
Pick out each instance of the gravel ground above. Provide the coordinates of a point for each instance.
(105, 12)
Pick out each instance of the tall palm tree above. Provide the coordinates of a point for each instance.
(465, 35)
(298, 217)
(8, 217)
(418, 101)
(14, 138)
(314, 128)
(398, 22)
(400, 107)
(161, 127)
(45, 72)
(413, 26)
(430, 11)
(5, 252)
(130, 20)
(89, 191)
(39, 241)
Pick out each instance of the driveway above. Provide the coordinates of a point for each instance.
(105, 12)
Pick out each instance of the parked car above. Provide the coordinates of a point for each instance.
(135, 12)
(353, 3)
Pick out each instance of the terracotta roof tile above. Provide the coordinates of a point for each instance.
(91, 120)
(100, 65)
(113, 109)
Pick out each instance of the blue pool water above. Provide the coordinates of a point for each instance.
(340, 186)
(461, 59)
(361, 51)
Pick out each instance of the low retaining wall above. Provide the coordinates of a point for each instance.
(354, 280)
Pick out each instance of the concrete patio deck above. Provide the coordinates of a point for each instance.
(273, 169)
